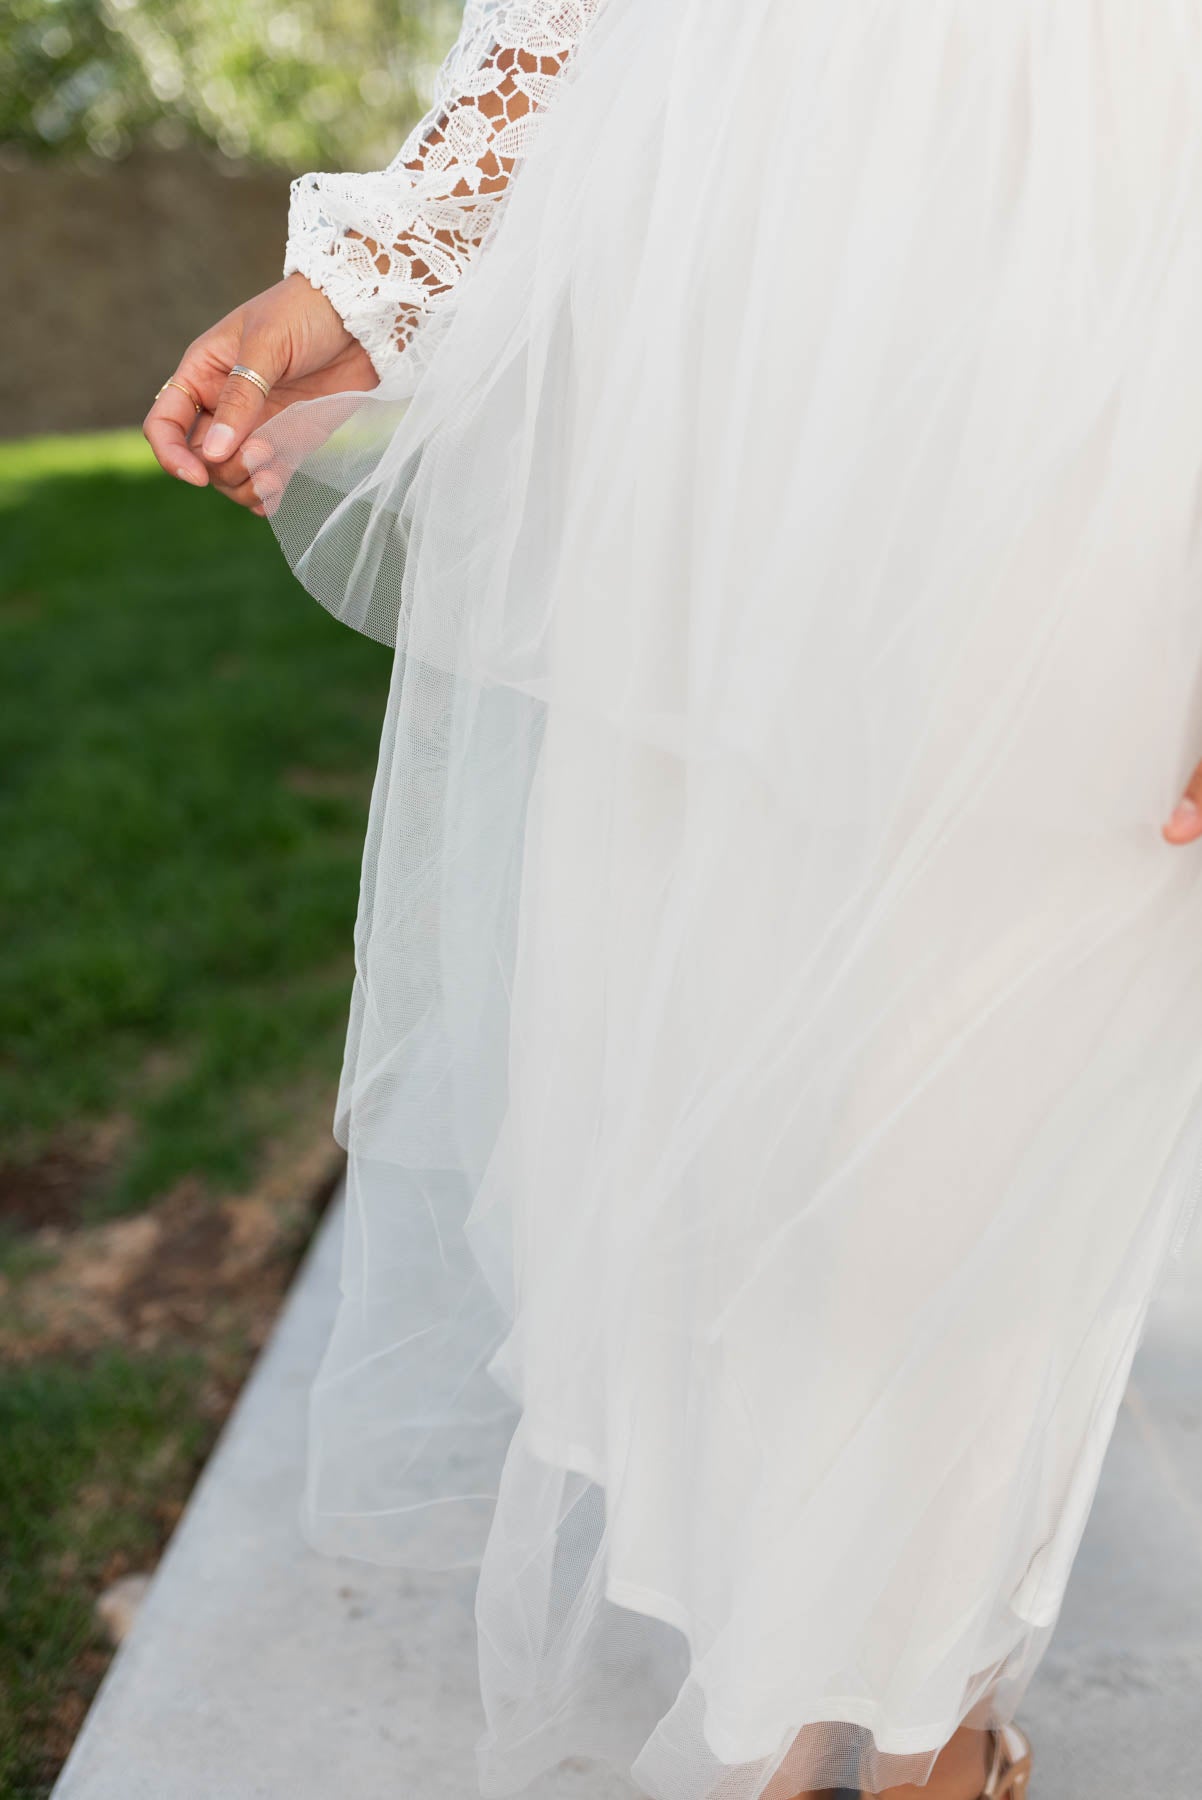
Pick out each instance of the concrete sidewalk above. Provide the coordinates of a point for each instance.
(258, 1670)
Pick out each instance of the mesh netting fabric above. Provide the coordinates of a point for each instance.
(773, 1082)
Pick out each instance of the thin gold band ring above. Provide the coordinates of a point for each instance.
(183, 388)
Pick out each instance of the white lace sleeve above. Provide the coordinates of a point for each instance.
(386, 247)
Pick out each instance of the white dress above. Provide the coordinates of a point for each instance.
(774, 1079)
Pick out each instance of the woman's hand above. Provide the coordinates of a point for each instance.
(291, 336)
(1184, 823)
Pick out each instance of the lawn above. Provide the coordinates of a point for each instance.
(186, 749)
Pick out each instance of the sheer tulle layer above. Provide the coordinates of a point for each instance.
(774, 1075)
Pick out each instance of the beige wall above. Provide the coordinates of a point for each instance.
(106, 273)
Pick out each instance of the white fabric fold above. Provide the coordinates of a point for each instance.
(773, 1082)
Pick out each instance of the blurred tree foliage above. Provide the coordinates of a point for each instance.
(301, 83)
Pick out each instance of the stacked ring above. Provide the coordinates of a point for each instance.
(264, 387)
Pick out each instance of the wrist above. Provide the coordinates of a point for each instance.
(320, 332)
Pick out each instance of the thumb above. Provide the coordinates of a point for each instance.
(242, 400)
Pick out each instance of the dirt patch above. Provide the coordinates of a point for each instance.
(71, 1709)
(194, 1270)
(55, 1188)
(198, 1272)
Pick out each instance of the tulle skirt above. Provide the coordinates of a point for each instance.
(774, 1077)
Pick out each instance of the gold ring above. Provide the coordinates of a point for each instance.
(183, 388)
(264, 387)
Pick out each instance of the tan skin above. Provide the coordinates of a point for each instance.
(292, 336)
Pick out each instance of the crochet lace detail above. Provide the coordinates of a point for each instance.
(387, 247)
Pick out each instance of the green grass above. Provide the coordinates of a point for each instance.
(186, 745)
(93, 1459)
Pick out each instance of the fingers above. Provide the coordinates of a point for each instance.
(169, 422)
(207, 446)
(266, 486)
(242, 403)
(270, 460)
(240, 492)
(1184, 823)
(231, 478)
(269, 471)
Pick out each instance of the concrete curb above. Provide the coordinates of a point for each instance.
(258, 1670)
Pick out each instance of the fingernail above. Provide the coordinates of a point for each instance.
(197, 477)
(219, 440)
(1184, 814)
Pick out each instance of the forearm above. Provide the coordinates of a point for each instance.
(388, 247)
